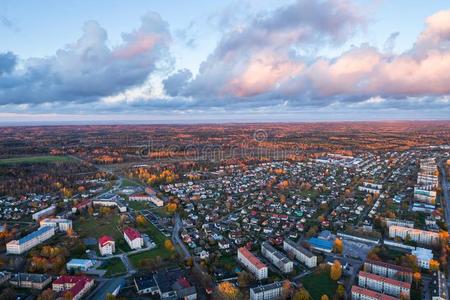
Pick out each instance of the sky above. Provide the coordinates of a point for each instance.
(223, 61)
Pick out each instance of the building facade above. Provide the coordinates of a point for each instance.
(133, 238)
(417, 235)
(384, 284)
(277, 258)
(302, 254)
(269, 291)
(252, 263)
(29, 241)
(106, 245)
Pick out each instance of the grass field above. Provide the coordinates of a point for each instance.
(95, 227)
(318, 284)
(113, 266)
(126, 182)
(34, 159)
(139, 205)
(160, 250)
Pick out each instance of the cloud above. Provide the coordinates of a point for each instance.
(176, 82)
(8, 62)
(89, 69)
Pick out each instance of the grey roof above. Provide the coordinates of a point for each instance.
(267, 287)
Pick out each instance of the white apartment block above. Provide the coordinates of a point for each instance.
(388, 270)
(61, 224)
(44, 213)
(416, 235)
(384, 284)
(252, 263)
(398, 222)
(425, 194)
(269, 291)
(133, 238)
(31, 240)
(423, 257)
(303, 255)
(359, 293)
(277, 258)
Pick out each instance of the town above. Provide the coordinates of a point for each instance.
(333, 219)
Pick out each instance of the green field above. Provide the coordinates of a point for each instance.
(160, 250)
(95, 227)
(139, 205)
(34, 160)
(318, 284)
(126, 182)
(114, 266)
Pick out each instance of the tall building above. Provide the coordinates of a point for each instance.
(29, 241)
(423, 257)
(438, 286)
(302, 254)
(252, 263)
(277, 258)
(44, 213)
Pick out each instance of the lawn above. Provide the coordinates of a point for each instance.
(34, 159)
(160, 250)
(114, 266)
(127, 182)
(139, 205)
(318, 284)
(95, 227)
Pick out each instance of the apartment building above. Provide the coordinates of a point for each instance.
(398, 222)
(252, 263)
(425, 194)
(423, 257)
(30, 281)
(29, 241)
(438, 286)
(60, 224)
(277, 258)
(301, 254)
(384, 284)
(133, 238)
(106, 245)
(76, 286)
(417, 235)
(388, 270)
(269, 291)
(44, 213)
(359, 293)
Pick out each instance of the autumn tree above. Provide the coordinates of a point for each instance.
(244, 279)
(417, 277)
(140, 220)
(338, 246)
(336, 270)
(302, 294)
(324, 297)
(90, 210)
(47, 294)
(169, 245)
(171, 208)
(340, 292)
(434, 265)
(227, 291)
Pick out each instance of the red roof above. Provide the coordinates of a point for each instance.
(83, 203)
(105, 240)
(67, 279)
(387, 280)
(184, 282)
(371, 294)
(251, 258)
(131, 233)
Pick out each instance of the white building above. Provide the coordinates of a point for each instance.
(44, 213)
(416, 235)
(423, 257)
(359, 293)
(106, 245)
(133, 238)
(384, 284)
(61, 224)
(300, 253)
(277, 258)
(31, 240)
(269, 291)
(252, 263)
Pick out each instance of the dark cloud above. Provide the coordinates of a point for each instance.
(89, 69)
(176, 82)
(8, 62)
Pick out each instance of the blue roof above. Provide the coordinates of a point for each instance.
(35, 234)
(80, 262)
(320, 243)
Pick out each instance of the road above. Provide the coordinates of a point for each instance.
(445, 186)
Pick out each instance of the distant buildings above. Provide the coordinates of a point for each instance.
(30, 281)
(384, 284)
(61, 224)
(29, 241)
(145, 197)
(269, 291)
(277, 258)
(111, 200)
(252, 263)
(133, 238)
(369, 187)
(80, 264)
(416, 235)
(106, 245)
(398, 222)
(82, 205)
(75, 286)
(423, 257)
(302, 254)
(425, 194)
(44, 213)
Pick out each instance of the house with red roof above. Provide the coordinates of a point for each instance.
(106, 245)
(133, 238)
(75, 286)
